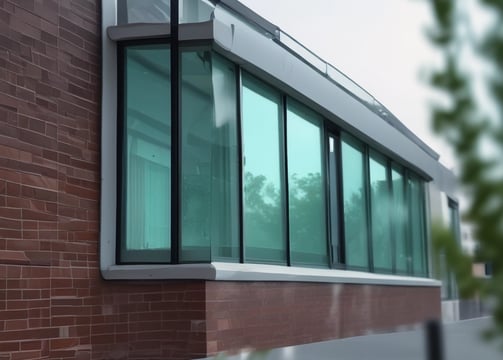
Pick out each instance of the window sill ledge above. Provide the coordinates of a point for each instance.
(257, 272)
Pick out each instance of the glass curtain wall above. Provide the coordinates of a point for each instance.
(146, 155)
(355, 203)
(417, 225)
(449, 285)
(263, 218)
(306, 195)
(380, 198)
(158, 11)
(399, 218)
(209, 205)
(383, 222)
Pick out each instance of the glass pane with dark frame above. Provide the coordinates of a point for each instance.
(146, 155)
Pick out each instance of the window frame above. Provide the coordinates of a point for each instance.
(326, 124)
(256, 82)
(337, 247)
(402, 171)
(410, 176)
(290, 106)
(121, 59)
(380, 159)
(191, 47)
(361, 147)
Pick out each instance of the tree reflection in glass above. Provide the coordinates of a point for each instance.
(263, 217)
(307, 217)
(355, 218)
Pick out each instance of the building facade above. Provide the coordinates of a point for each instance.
(169, 197)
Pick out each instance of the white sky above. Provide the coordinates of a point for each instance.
(380, 44)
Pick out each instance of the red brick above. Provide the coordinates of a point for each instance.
(13, 257)
(31, 345)
(25, 355)
(63, 343)
(9, 346)
(15, 325)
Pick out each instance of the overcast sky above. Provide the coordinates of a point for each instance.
(379, 44)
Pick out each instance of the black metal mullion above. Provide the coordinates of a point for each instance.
(392, 219)
(122, 15)
(175, 134)
(284, 168)
(121, 191)
(239, 93)
(340, 202)
(325, 145)
(409, 247)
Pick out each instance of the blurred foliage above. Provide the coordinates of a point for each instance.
(444, 243)
(467, 127)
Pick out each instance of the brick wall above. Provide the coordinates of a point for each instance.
(49, 173)
(53, 301)
(267, 315)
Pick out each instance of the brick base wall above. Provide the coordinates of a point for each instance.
(56, 313)
(266, 315)
(84, 317)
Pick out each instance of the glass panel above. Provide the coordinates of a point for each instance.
(158, 11)
(454, 220)
(263, 211)
(209, 203)
(449, 285)
(355, 218)
(335, 240)
(225, 241)
(146, 168)
(380, 213)
(308, 244)
(417, 226)
(145, 11)
(193, 11)
(399, 216)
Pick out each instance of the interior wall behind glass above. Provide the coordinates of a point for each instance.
(449, 285)
(146, 152)
(263, 222)
(354, 199)
(209, 201)
(308, 238)
(380, 213)
(417, 225)
(399, 217)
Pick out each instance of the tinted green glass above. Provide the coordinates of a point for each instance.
(209, 201)
(449, 285)
(380, 213)
(399, 217)
(308, 244)
(263, 206)
(355, 217)
(417, 226)
(454, 220)
(146, 168)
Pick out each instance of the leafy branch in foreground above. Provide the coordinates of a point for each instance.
(476, 136)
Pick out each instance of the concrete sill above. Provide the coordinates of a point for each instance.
(218, 271)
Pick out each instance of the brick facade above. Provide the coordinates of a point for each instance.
(267, 315)
(53, 302)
